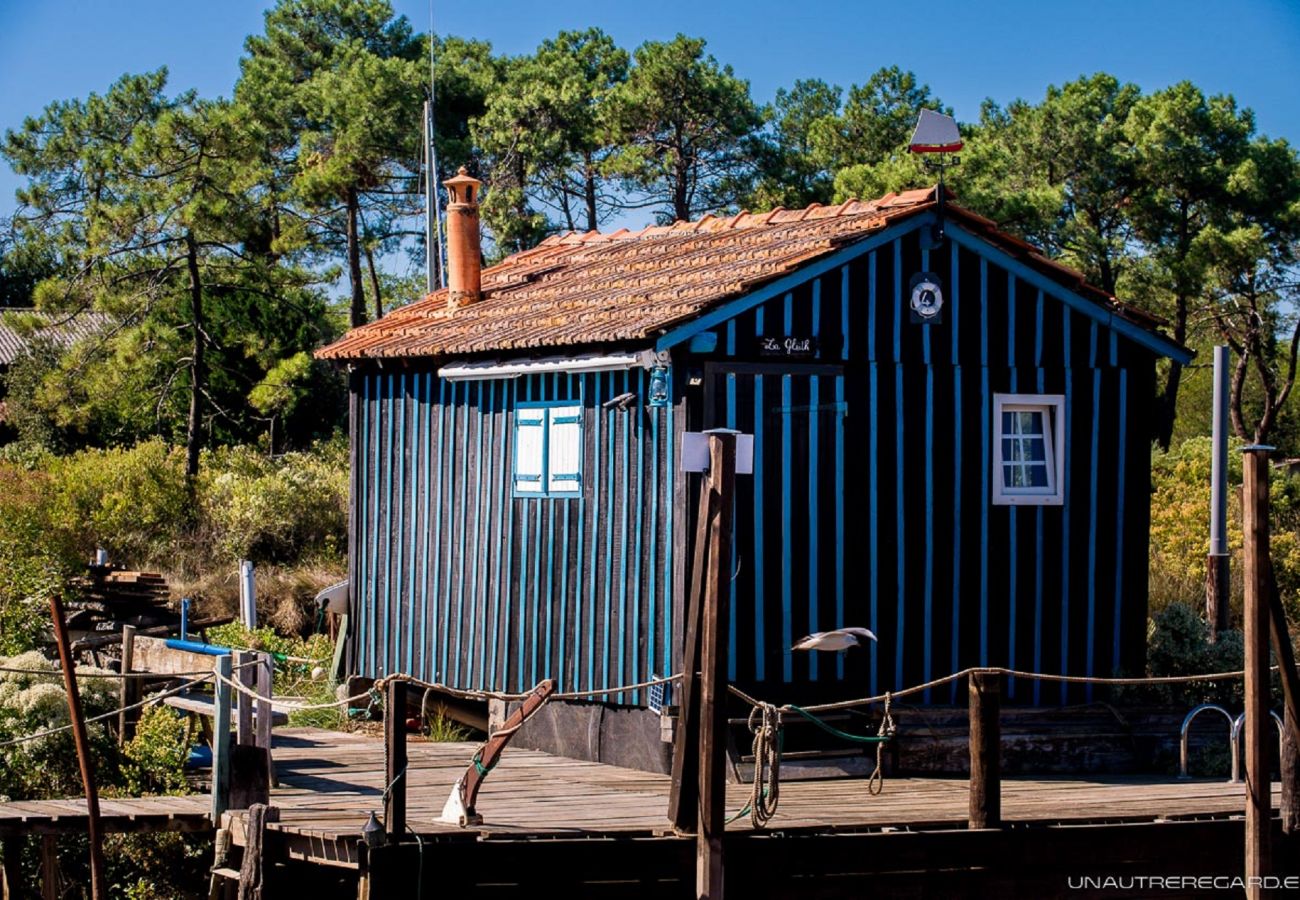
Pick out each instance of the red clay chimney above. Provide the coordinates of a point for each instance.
(464, 257)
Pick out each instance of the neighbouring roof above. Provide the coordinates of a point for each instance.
(19, 327)
(593, 288)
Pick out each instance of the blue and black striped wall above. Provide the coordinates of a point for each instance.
(870, 502)
(462, 583)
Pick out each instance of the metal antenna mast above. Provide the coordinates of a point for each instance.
(432, 203)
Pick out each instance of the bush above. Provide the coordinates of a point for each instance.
(1179, 645)
(132, 502)
(154, 759)
(30, 703)
(272, 510)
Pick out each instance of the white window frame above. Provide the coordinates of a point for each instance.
(547, 416)
(1052, 406)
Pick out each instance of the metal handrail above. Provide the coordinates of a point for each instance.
(1183, 739)
(1235, 741)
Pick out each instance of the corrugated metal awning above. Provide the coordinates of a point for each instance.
(480, 370)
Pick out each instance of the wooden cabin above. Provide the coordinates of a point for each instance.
(951, 447)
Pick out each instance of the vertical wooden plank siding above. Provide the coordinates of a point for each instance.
(461, 582)
(870, 501)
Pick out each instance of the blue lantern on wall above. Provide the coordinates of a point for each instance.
(659, 387)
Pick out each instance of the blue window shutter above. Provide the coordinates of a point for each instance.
(564, 446)
(530, 450)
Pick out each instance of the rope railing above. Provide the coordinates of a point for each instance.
(148, 701)
(1000, 670)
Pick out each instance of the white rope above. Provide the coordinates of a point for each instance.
(153, 698)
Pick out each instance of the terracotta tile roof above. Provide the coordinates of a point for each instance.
(594, 288)
(18, 327)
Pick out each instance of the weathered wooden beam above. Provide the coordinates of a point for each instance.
(1255, 616)
(98, 881)
(129, 689)
(683, 795)
(985, 750)
(265, 710)
(395, 760)
(97, 641)
(151, 654)
(252, 874)
(221, 738)
(460, 806)
(50, 888)
(710, 869)
(247, 676)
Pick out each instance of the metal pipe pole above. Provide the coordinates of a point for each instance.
(1217, 565)
(1255, 616)
(98, 885)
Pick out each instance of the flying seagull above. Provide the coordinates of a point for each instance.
(839, 639)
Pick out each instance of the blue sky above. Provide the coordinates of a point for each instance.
(966, 51)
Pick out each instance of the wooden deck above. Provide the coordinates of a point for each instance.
(330, 782)
(587, 829)
(118, 815)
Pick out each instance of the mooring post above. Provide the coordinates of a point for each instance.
(98, 885)
(395, 756)
(1254, 507)
(709, 867)
(985, 750)
(128, 691)
(683, 796)
(1217, 562)
(221, 667)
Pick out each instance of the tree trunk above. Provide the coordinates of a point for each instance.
(681, 183)
(354, 259)
(589, 186)
(193, 435)
(374, 283)
(1168, 405)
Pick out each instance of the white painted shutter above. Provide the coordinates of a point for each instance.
(565, 450)
(530, 450)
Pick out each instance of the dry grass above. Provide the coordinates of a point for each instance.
(284, 593)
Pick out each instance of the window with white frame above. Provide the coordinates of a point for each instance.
(548, 449)
(1029, 449)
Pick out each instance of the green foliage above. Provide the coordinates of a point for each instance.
(1178, 645)
(154, 759)
(33, 564)
(269, 510)
(131, 501)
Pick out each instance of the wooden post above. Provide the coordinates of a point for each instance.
(98, 886)
(50, 868)
(265, 711)
(395, 755)
(985, 750)
(129, 690)
(11, 858)
(1254, 504)
(713, 671)
(683, 796)
(1290, 766)
(252, 873)
(247, 676)
(221, 738)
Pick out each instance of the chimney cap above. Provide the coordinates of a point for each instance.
(462, 176)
